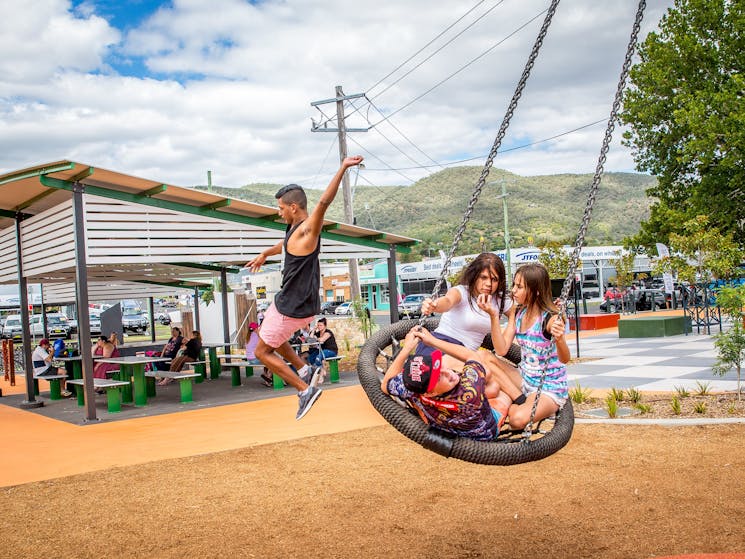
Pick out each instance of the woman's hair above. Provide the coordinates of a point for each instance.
(177, 329)
(196, 334)
(103, 338)
(491, 263)
(321, 320)
(537, 286)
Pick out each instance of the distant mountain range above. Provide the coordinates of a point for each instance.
(540, 209)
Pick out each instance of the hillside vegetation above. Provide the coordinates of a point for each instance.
(542, 208)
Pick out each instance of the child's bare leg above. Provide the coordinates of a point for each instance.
(520, 415)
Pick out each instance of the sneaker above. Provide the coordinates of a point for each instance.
(307, 400)
(268, 381)
(66, 394)
(307, 375)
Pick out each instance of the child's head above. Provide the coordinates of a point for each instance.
(485, 272)
(532, 286)
(422, 370)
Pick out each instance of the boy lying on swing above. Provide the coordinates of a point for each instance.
(452, 387)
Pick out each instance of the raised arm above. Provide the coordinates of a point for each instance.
(501, 339)
(458, 351)
(314, 222)
(410, 342)
(256, 263)
(558, 329)
(441, 304)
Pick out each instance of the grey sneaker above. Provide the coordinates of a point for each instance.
(311, 376)
(307, 400)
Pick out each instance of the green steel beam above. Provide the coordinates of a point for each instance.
(331, 227)
(210, 267)
(36, 173)
(179, 284)
(160, 189)
(208, 212)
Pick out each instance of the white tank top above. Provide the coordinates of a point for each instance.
(468, 324)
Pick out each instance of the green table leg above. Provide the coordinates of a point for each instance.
(140, 392)
(277, 382)
(186, 390)
(214, 363)
(235, 375)
(36, 387)
(202, 371)
(55, 389)
(334, 371)
(114, 399)
(125, 374)
(80, 391)
(76, 368)
(150, 387)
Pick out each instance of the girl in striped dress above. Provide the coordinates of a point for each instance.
(538, 328)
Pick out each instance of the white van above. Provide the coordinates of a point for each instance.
(12, 326)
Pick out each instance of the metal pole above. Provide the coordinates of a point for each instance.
(84, 318)
(576, 313)
(506, 236)
(196, 308)
(151, 308)
(225, 321)
(30, 401)
(392, 284)
(354, 280)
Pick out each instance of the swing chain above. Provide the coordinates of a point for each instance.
(497, 143)
(580, 242)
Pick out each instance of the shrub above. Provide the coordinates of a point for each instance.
(611, 406)
(675, 405)
(579, 395)
(634, 395)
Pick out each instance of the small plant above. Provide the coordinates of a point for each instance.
(634, 395)
(682, 392)
(700, 407)
(732, 408)
(703, 388)
(611, 406)
(675, 405)
(617, 394)
(643, 408)
(579, 395)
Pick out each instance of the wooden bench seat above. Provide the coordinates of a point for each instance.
(112, 388)
(186, 382)
(55, 385)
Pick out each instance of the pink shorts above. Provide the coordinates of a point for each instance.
(277, 328)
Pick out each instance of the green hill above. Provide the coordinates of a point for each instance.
(542, 208)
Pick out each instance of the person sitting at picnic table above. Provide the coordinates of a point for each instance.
(42, 361)
(328, 348)
(170, 349)
(104, 348)
(190, 351)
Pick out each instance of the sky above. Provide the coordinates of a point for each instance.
(169, 90)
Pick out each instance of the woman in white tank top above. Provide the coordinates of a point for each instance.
(462, 321)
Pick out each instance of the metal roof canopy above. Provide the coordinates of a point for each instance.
(73, 223)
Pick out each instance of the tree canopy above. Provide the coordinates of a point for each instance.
(685, 108)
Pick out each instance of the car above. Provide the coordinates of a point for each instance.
(329, 307)
(411, 306)
(12, 326)
(94, 321)
(134, 320)
(57, 326)
(344, 309)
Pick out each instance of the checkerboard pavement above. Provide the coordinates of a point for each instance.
(650, 364)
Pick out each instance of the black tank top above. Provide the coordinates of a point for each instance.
(301, 278)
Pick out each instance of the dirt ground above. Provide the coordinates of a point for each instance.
(615, 491)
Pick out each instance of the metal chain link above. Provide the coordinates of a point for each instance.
(528, 432)
(497, 143)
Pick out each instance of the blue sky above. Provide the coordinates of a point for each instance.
(169, 90)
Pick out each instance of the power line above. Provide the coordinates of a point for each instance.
(379, 159)
(459, 70)
(436, 51)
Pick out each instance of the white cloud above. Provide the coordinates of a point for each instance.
(231, 85)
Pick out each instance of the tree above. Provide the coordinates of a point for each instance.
(730, 343)
(556, 260)
(685, 107)
(701, 252)
(624, 265)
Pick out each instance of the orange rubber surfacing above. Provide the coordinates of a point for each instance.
(37, 448)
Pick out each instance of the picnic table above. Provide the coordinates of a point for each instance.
(213, 360)
(133, 365)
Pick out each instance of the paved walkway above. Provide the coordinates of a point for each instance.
(36, 446)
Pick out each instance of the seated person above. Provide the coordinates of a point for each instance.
(328, 348)
(253, 341)
(447, 396)
(190, 351)
(104, 348)
(42, 361)
(170, 349)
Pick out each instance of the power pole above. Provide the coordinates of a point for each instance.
(341, 129)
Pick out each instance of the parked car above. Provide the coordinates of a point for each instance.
(344, 309)
(163, 317)
(57, 326)
(329, 307)
(12, 326)
(95, 323)
(411, 306)
(134, 320)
